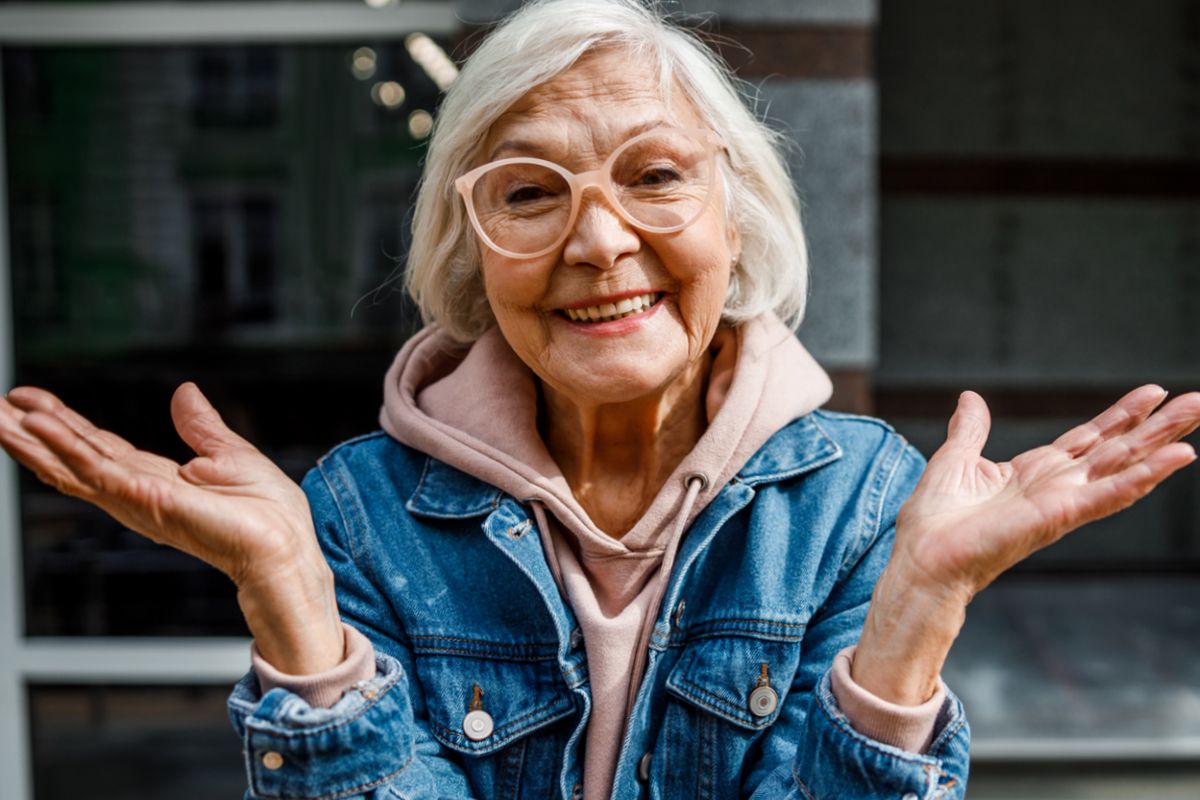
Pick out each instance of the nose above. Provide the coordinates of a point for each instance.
(600, 235)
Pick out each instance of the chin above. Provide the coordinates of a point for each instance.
(619, 384)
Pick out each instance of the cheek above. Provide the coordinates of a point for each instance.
(512, 286)
(514, 290)
(702, 267)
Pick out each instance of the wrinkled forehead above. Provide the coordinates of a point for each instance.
(588, 110)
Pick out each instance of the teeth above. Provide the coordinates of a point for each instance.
(611, 311)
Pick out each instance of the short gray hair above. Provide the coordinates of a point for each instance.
(532, 46)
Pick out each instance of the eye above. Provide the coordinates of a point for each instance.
(527, 194)
(658, 176)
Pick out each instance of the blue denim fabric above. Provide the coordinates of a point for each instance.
(447, 577)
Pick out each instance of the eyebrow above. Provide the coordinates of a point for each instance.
(529, 147)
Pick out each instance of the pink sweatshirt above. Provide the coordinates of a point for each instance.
(762, 378)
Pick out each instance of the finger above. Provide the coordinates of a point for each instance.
(91, 471)
(34, 455)
(26, 443)
(1172, 422)
(10, 415)
(968, 429)
(199, 424)
(26, 448)
(1115, 492)
(142, 501)
(31, 398)
(1123, 415)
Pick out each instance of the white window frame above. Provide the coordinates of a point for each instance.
(157, 660)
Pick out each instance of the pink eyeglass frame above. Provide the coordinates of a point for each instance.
(578, 181)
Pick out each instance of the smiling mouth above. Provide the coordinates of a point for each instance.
(608, 312)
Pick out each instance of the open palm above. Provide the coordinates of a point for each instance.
(230, 506)
(969, 519)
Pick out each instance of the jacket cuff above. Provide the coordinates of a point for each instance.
(322, 689)
(908, 728)
(292, 750)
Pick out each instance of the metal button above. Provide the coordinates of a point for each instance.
(763, 701)
(644, 768)
(477, 725)
(272, 760)
(909, 796)
(679, 612)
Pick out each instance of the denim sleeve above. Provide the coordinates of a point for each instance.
(812, 752)
(374, 742)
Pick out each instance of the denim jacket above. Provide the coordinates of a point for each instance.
(447, 577)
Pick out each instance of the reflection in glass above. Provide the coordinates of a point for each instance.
(232, 215)
(152, 743)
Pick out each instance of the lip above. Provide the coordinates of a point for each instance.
(611, 298)
(616, 327)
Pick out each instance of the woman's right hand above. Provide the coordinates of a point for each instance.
(230, 506)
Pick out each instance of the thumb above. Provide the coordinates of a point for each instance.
(199, 424)
(969, 426)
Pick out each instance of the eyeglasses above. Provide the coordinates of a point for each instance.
(659, 182)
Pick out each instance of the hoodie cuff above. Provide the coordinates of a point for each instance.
(322, 689)
(909, 728)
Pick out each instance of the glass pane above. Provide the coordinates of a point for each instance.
(152, 743)
(1040, 235)
(1113, 661)
(232, 215)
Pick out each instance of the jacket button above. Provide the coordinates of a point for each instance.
(272, 760)
(909, 796)
(763, 701)
(477, 725)
(644, 768)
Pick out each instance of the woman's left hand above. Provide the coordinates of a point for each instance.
(969, 519)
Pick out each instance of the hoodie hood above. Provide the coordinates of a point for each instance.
(475, 408)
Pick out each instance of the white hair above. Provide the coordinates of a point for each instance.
(532, 46)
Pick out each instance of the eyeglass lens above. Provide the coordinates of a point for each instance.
(661, 181)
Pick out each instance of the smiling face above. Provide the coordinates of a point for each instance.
(670, 287)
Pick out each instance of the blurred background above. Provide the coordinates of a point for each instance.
(1001, 195)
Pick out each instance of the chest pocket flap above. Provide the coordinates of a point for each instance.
(519, 694)
(742, 679)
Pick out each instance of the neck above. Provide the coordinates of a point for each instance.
(617, 456)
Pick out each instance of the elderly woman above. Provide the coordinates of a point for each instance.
(607, 542)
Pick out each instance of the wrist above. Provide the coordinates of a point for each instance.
(292, 615)
(907, 635)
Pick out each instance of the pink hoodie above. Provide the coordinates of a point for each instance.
(762, 378)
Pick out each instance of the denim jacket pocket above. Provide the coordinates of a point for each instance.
(727, 690)
(496, 706)
(741, 679)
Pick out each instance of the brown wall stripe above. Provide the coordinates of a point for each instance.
(1036, 177)
(851, 391)
(809, 51)
(797, 52)
(1009, 402)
